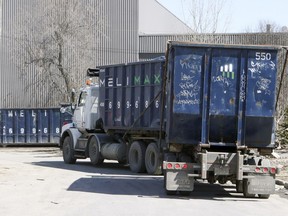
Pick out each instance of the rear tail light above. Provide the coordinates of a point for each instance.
(265, 170)
(177, 166)
(169, 166)
(257, 169)
(184, 166)
(273, 170)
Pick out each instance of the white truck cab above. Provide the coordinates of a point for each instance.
(86, 111)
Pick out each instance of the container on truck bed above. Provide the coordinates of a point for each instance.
(204, 112)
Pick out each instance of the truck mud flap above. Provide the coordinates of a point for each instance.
(179, 181)
(261, 185)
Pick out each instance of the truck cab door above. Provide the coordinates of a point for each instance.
(79, 111)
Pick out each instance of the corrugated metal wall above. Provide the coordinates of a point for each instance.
(121, 43)
(157, 43)
(118, 43)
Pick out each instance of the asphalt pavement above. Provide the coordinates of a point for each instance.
(36, 181)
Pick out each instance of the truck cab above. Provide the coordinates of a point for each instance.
(86, 112)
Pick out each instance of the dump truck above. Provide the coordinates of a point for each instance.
(202, 112)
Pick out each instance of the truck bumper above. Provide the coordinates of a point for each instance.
(179, 176)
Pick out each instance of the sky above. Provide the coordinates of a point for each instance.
(241, 14)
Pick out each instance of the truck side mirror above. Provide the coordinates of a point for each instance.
(66, 108)
(63, 110)
(73, 95)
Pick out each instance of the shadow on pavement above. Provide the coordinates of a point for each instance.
(86, 167)
(149, 186)
(117, 179)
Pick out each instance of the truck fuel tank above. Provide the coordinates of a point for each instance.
(114, 151)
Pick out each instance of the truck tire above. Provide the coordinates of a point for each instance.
(94, 152)
(137, 157)
(152, 160)
(68, 151)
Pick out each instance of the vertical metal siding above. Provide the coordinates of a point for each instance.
(12, 86)
(157, 43)
(119, 44)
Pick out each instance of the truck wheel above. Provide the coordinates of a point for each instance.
(137, 157)
(68, 151)
(152, 160)
(94, 152)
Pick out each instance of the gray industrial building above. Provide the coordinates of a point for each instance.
(137, 30)
(127, 20)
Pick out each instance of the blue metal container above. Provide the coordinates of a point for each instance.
(30, 126)
(130, 95)
(219, 95)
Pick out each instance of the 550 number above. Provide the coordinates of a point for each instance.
(263, 56)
